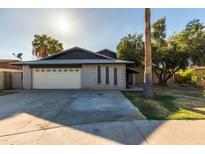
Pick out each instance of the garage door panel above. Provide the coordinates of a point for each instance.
(71, 79)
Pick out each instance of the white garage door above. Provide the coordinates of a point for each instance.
(56, 78)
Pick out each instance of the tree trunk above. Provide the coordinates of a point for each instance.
(148, 85)
(163, 83)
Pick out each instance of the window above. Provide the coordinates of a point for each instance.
(48, 70)
(65, 70)
(54, 70)
(77, 70)
(99, 74)
(59, 70)
(42, 70)
(115, 76)
(71, 70)
(36, 70)
(107, 75)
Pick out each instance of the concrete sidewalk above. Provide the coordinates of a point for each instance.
(116, 132)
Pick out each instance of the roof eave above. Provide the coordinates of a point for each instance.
(39, 63)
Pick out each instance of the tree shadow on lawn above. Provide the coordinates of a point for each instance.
(168, 106)
(160, 108)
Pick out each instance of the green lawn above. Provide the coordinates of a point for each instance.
(171, 103)
(4, 93)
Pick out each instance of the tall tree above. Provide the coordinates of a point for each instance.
(168, 60)
(159, 31)
(44, 45)
(194, 38)
(180, 51)
(131, 47)
(148, 87)
(169, 55)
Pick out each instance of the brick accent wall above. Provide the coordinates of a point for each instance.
(27, 77)
(89, 76)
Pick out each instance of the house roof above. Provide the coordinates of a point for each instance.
(8, 60)
(78, 61)
(74, 49)
(6, 64)
(199, 67)
(9, 70)
(108, 53)
(74, 55)
(131, 70)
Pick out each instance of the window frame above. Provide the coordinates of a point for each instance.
(107, 81)
(115, 76)
(99, 74)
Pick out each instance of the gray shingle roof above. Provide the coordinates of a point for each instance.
(77, 48)
(54, 61)
(76, 61)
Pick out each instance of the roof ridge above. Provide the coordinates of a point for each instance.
(76, 47)
(107, 49)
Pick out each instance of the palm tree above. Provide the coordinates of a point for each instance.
(148, 88)
(55, 46)
(44, 45)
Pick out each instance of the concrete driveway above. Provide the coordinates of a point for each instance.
(26, 117)
(87, 117)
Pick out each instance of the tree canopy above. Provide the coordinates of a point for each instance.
(169, 55)
(44, 45)
(131, 47)
(179, 51)
(159, 31)
(194, 38)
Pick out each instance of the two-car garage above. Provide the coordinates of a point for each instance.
(56, 78)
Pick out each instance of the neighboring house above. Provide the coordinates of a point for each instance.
(74, 68)
(10, 76)
(108, 53)
(199, 72)
(137, 77)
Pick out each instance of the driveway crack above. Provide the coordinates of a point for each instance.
(140, 133)
(64, 107)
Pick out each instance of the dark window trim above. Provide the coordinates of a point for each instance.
(115, 76)
(107, 75)
(99, 74)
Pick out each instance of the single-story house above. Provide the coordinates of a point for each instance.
(74, 68)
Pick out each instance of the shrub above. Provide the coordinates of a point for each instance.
(203, 81)
(188, 76)
(203, 76)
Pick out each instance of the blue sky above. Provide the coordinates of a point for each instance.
(93, 29)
